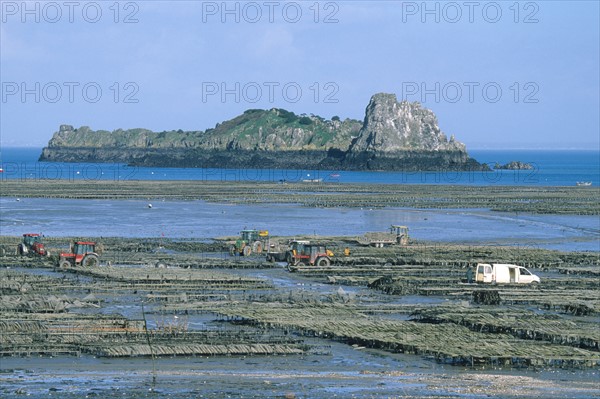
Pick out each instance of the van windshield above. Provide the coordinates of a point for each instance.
(525, 272)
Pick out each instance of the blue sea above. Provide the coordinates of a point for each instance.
(550, 168)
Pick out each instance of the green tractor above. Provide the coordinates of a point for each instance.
(250, 241)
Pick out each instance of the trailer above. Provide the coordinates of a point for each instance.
(277, 251)
(398, 235)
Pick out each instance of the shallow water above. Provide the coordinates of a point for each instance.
(200, 219)
(346, 373)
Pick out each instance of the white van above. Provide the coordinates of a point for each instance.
(500, 273)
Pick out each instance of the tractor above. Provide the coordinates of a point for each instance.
(32, 245)
(401, 234)
(250, 241)
(303, 253)
(83, 253)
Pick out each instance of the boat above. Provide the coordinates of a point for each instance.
(584, 183)
(334, 175)
(313, 180)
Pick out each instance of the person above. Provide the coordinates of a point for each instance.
(470, 275)
(347, 251)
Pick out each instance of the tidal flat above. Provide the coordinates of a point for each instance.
(399, 321)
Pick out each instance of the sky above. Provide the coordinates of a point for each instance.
(498, 75)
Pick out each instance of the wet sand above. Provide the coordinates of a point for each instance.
(543, 200)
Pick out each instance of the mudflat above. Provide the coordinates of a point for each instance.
(531, 199)
(181, 317)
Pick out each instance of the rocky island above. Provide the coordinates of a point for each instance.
(394, 135)
(514, 165)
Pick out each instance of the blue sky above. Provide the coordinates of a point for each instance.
(497, 74)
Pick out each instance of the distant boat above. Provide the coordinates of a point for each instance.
(309, 180)
(584, 183)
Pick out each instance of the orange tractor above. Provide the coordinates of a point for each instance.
(32, 245)
(83, 253)
(302, 253)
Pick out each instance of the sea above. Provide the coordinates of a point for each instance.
(550, 168)
(199, 219)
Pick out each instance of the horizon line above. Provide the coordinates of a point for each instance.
(520, 148)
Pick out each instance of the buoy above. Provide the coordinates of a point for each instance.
(149, 205)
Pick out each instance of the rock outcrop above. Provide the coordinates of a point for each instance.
(514, 165)
(394, 136)
(402, 135)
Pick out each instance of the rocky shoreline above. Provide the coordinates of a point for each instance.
(409, 161)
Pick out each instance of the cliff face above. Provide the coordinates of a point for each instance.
(402, 135)
(391, 126)
(393, 136)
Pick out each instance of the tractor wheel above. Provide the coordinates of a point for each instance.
(323, 262)
(300, 264)
(63, 264)
(22, 249)
(247, 250)
(257, 247)
(90, 260)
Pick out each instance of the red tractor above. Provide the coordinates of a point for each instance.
(32, 245)
(302, 253)
(82, 253)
